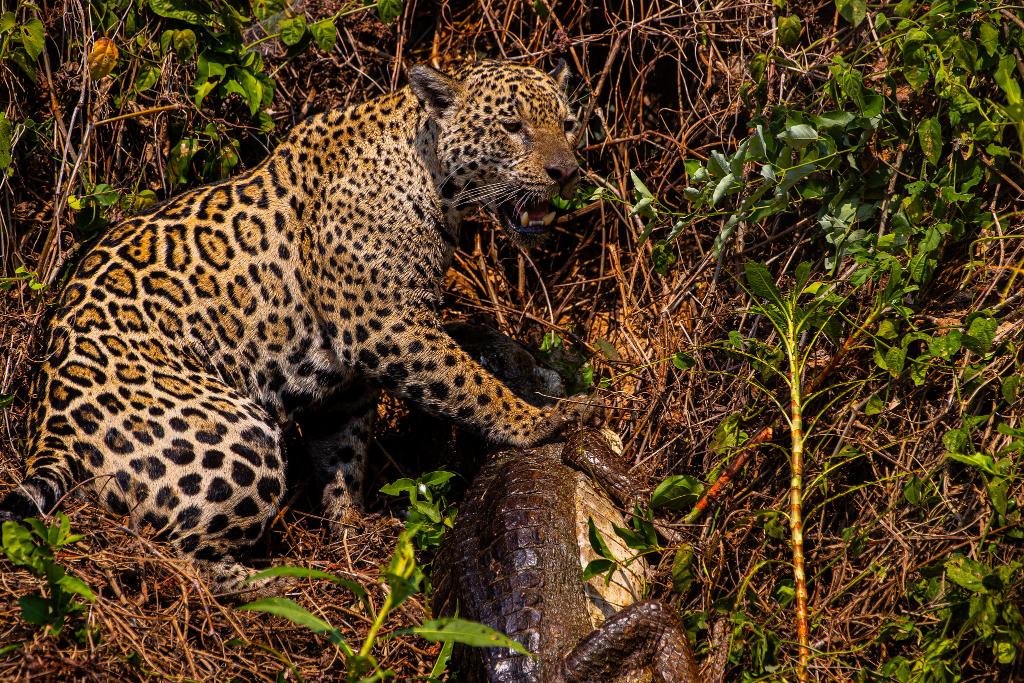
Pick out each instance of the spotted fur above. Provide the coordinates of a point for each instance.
(189, 335)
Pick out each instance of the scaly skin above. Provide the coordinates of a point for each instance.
(513, 562)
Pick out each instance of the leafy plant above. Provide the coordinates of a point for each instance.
(33, 546)
(403, 578)
(429, 514)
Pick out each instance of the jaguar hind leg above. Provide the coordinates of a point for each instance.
(337, 438)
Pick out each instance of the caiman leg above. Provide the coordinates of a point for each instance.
(588, 451)
(646, 634)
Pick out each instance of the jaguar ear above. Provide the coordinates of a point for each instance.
(561, 74)
(434, 89)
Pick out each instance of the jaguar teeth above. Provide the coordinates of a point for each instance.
(549, 218)
(524, 218)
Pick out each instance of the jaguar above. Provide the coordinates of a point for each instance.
(190, 336)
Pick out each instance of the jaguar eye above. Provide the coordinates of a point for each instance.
(569, 125)
(512, 126)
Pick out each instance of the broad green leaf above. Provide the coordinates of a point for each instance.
(929, 134)
(19, 546)
(389, 10)
(324, 33)
(946, 346)
(966, 572)
(725, 184)
(834, 119)
(641, 189)
(597, 568)
(998, 488)
(1011, 388)
(75, 585)
(252, 88)
(1004, 75)
(912, 490)
(436, 478)
(185, 10)
(789, 30)
(35, 609)
(597, 541)
(979, 461)
(292, 29)
(874, 405)
(682, 568)
(981, 333)
(798, 136)
(32, 36)
(471, 633)
(683, 361)
(677, 492)
(794, 176)
(6, 141)
(854, 11)
(400, 486)
(988, 36)
(761, 281)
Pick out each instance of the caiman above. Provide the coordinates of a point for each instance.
(514, 561)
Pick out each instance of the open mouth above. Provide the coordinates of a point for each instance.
(532, 218)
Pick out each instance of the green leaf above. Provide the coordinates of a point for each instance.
(1011, 387)
(682, 568)
(597, 542)
(979, 461)
(183, 10)
(929, 134)
(6, 143)
(470, 633)
(683, 361)
(19, 546)
(32, 36)
(75, 585)
(441, 663)
(761, 282)
(874, 405)
(1004, 75)
(981, 334)
(677, 492)
(798, 135)
(324, 33)
(726, 184)
(389, 10)
(966, 572)
(988, 36)
(912, 490)
(252, 89)
(854, 11)
(789, 30)
(290, 610)
(292, 29)
(597, 568)
(946, 346)
(998, 488)
(35, 609)
(306, 573)
(184, 42)
(638, 186)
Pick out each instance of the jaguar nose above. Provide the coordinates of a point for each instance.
(562, 172)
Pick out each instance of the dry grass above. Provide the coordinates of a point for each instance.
(668, 81)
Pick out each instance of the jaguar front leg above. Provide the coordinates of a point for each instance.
(418, 361)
